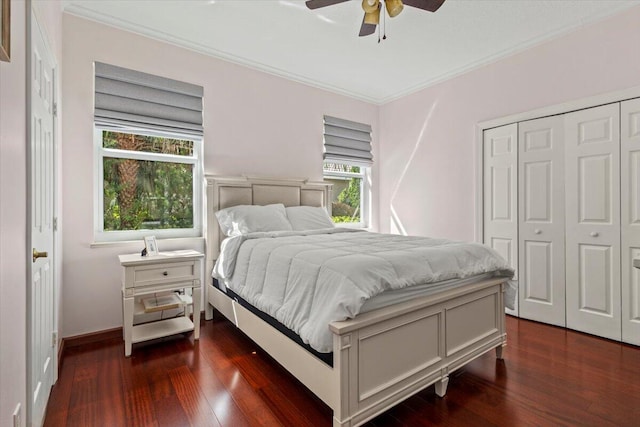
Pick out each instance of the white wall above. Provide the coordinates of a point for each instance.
(255, 124)
(427, 163)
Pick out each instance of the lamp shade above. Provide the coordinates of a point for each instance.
(394, 7)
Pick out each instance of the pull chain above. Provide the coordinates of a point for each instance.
(384, 21)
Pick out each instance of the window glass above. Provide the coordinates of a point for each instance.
(148, 182)
(145, 143)
(347, 204)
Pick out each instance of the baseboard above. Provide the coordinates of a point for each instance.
(93, 337)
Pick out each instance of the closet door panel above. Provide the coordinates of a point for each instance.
(631, 298)
(537, 195)
(595, 280)
(538, 278)
(595, 189)
(592, 163)
(630, 227)
(541, 220)
(500, 210)
(504, 247)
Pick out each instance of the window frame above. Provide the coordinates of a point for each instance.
(365, 188)
(100, 235)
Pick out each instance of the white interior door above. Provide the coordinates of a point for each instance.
(592, 156)
(630, 190)
(41, 343)
(500, 146)
(541, 226)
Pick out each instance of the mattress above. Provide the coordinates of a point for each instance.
(307, 280)
(384, 299)
(325, 357)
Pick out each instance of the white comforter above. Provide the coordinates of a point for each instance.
(308, 279)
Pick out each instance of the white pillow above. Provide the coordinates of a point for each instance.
(243, 219)
(308, 218)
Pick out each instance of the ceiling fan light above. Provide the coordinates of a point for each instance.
(394, 7)
(370, 6)
(372, 18)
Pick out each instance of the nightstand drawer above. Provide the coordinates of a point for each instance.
(173, 272)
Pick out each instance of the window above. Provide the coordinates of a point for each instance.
(148, 182)
(348, 206)
(347, 165)
(148, 156)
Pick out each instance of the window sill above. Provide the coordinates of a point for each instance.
(171, 241)
(357, 225)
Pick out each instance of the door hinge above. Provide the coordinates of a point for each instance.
(54, 338)
(55, 223)
(55, 109)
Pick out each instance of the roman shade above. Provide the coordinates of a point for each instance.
(126, 98)
(347, 142)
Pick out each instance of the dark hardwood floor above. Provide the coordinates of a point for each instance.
(549, 377)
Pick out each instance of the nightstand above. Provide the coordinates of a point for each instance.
(149, 275)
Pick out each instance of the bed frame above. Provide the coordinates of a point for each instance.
(382, 357)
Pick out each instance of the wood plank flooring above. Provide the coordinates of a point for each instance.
(549, 377)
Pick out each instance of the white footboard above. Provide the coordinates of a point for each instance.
(385, 356)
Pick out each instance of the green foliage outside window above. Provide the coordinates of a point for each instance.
(347, 192)
(347, 207)
(142, 194)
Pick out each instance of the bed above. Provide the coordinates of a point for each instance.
(380, 357)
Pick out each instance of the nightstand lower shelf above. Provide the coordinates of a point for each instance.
(161, 328)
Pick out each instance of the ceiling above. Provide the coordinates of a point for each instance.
(322, 47)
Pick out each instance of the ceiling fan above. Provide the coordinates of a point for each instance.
(372, 10)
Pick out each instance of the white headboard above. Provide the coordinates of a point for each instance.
(224, 192)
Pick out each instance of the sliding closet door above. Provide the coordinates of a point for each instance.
(630, 186)
(592, 141)
(500, 193)
(541, 211)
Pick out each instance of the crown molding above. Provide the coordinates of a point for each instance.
(522, 47)
(86, 13)
(121, 24)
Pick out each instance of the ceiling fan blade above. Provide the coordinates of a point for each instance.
(366, 29)
(317, 4)
(429, 5)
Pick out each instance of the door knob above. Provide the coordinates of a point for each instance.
(537, 231)
(37, 254)
(594, 234)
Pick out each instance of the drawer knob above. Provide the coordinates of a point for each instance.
(538, 231)
(165, 273)
(594, 234)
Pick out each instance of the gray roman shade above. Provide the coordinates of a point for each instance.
(128, 98)
(347, 142)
